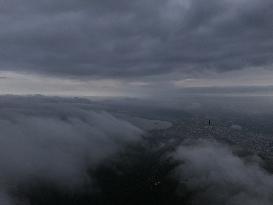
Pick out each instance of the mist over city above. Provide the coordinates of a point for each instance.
(153, 102)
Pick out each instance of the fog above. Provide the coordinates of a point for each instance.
(215, 175)
(57, 150)
(55, 140)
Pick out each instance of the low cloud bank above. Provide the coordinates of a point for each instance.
(213, 174)
(55, 140)
(68, 151)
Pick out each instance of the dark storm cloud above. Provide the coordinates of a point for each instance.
(134, 38)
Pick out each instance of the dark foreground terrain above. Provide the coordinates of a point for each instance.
(137, 175)
(148, 173)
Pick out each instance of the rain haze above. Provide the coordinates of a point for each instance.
(117, 102)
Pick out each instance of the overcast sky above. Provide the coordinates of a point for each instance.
(133, 48)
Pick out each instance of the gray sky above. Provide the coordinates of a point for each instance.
(133, 48)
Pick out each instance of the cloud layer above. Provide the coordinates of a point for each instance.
(121, 39)
(55, 140)
(215, 175)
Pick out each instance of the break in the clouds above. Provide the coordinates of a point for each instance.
(124, 39)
